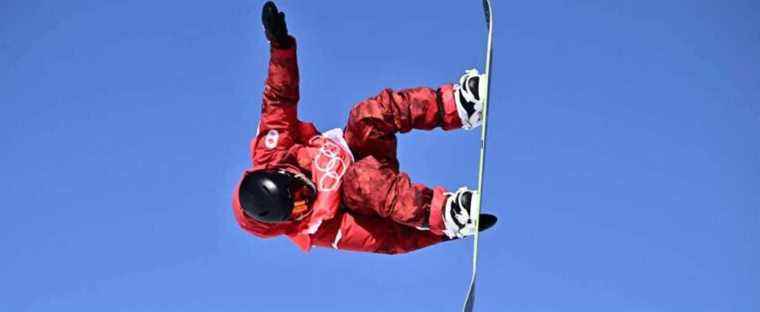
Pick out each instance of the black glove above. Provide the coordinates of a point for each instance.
(274, 25)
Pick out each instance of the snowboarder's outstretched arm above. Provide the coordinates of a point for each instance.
(281, 90)
(279, 108)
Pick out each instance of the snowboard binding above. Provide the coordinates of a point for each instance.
(469, 95)
(457, 217)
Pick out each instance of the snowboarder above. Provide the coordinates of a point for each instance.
(343, 188)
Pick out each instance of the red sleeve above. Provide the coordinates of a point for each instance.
(372, 234)
(278, 125)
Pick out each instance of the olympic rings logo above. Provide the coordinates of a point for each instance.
(331, 165)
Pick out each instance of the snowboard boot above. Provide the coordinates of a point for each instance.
(469, 95)
(457, 218)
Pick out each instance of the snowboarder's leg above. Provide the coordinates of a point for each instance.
(357, 232)
(376, 188)
(373, 123)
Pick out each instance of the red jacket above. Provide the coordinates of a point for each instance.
(283, 141)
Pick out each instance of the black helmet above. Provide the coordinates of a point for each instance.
(268, 195)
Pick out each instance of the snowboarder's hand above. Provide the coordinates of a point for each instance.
(274, 25)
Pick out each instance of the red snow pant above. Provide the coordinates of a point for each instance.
(373, 186)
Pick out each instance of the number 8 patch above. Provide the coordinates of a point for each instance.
(271, 139)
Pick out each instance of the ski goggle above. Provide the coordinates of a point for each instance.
(302, 193)
(300, 210)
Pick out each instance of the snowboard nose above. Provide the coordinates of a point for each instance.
(486, 221)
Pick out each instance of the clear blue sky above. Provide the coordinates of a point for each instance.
(624, 155)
